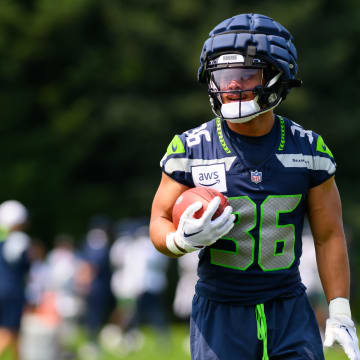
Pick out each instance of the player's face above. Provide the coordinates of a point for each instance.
(238, 79)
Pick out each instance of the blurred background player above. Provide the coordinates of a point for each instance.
(185, 287)
(125, 281)
(150, 306)
(93, 282)
(40, 320)
(37, 281)
(139, 283)
(14, 266)
(185, 290)
(51, 322)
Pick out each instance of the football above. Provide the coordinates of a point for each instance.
(205, 195)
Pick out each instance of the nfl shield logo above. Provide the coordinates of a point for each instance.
(256, 176)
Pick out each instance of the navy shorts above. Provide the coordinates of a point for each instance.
(227, 331)
(10, 313)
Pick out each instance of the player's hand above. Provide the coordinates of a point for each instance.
(193, 234)
(340, 328)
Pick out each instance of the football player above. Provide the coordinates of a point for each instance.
(250, 302)
(14, 266)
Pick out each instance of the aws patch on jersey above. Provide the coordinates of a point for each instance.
(204, 157)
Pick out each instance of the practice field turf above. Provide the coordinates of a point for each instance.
(178, 350)
(152, 347)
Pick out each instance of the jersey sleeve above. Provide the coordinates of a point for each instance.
(175, 162)
(323, 165)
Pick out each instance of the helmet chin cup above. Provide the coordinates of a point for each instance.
(244, 119)
(240, 111)
(241, 120)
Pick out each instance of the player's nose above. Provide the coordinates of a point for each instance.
(236, 85)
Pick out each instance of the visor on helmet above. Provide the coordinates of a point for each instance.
(236, 78)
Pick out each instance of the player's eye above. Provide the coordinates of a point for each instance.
(223, 78)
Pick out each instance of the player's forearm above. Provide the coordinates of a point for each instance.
(159, 228)
(333, 266)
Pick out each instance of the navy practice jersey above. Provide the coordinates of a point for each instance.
(12, 275)
(258, 259)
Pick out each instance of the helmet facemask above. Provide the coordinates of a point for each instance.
(240, 90)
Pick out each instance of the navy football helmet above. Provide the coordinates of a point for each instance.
(248, 49)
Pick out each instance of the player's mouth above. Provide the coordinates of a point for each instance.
(237, 97)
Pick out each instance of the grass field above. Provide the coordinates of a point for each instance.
(177, 347)
(153, 347)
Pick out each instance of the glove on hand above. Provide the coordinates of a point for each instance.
(192, 234)
(340, 328)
